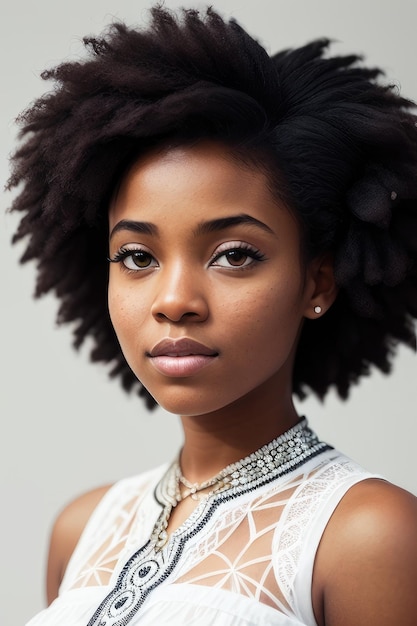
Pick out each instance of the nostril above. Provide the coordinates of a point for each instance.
(175, 304)
(177, 318)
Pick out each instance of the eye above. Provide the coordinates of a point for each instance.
(236, 256)
(134, 260)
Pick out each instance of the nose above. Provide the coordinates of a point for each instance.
(179, 296)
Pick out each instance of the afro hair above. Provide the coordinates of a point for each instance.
(340, 147)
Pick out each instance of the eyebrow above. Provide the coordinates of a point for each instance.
(144, 228)
(234, 220)
(204, 228)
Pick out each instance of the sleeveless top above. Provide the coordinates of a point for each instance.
(243, 558)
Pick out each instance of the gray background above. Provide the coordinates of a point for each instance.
(65, 428)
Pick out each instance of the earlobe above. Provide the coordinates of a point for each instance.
(321, 286)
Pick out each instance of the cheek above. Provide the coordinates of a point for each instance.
(277, 302)
(126, 311)
(266, 319)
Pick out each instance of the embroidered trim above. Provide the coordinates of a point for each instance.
(148, 568)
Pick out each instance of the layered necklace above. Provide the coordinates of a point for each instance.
(150, 566)
(276, 458)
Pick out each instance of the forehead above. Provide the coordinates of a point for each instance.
(207, 176)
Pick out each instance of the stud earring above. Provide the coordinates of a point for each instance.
(317, 309)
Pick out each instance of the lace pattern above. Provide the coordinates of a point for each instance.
(310, 495)
(251, 547)
(235, 569)
(112, 532)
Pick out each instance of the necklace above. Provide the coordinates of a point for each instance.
(193, 489)
(280, 456)
(149, 566)
(168, 493)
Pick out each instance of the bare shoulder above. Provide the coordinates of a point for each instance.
(66, 532)
(366, 564)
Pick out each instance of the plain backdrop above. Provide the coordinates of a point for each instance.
(65, 427)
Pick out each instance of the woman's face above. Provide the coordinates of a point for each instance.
(208, 292)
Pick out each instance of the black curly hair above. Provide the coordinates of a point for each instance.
(339, 146)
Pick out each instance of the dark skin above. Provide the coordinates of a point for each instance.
(366, 564)
(365, 568)
(190, 286)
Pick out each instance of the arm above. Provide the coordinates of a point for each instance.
(366, 566)
(65, 535)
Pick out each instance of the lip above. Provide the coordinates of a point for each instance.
(181, 357)
(181, 347)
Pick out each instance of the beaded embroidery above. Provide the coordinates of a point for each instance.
(149, 567)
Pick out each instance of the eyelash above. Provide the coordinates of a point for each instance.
(124, 253)
(249, 251)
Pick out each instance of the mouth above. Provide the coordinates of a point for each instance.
(181, 357)
(180, 348)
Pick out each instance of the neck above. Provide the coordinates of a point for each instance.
(213, 441)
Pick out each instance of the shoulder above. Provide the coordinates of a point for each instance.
(66, 533)
(366, 564)
(72, 520)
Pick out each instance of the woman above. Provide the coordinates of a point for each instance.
(254, 219)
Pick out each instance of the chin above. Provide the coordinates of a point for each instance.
(187, 407)
(187, 402)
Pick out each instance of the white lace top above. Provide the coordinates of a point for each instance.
(242, 561)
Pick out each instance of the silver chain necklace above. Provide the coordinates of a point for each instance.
(193, 489)
(272, 460)
(149, 566)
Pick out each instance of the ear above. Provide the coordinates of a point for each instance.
(321, 289)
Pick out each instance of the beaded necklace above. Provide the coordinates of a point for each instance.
(151, 565)
(271, 460)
